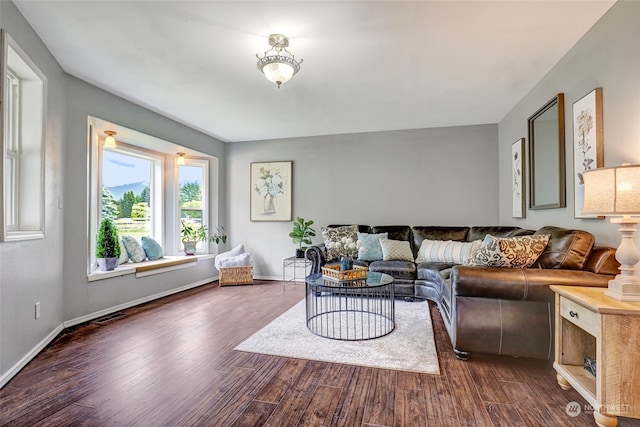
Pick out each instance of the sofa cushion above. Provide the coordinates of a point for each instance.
(335, 235)
(396, 250)
(395, 232)
(515, 252)
(479, 232)
(371, 244)
(567, 249)
(447, 251)
(427, 270)
(396, 269)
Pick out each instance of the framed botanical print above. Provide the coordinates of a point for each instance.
(517, 178)
(271, 191)
(588, 148)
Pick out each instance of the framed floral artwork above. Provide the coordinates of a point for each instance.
(517, 178)
(271, 190)
(588, 149)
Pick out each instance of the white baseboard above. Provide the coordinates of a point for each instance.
(30, 355)
(129, 304)
(13, 371)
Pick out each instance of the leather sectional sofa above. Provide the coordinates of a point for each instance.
(496, 310)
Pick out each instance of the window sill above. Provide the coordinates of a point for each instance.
(149, 268)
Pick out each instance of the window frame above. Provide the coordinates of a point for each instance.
(206, 199)
(22, 210)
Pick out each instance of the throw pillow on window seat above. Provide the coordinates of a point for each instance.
(152, 249)
(134, 249)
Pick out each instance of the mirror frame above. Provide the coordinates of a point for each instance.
(558, 101)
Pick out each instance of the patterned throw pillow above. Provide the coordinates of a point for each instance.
(447, 251)
(334, 235)
(134, 250)
(371, 244)
(152, 249)
(396, 250)
(124, 256)
(514, 252)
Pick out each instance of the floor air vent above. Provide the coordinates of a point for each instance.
(108, 318)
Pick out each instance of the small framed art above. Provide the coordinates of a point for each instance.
(588, 149)
(517, 178)
(271, 191)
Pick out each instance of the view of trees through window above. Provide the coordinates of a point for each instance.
(126, 192)
(191, 195)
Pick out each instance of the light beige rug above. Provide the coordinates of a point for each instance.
(410, 347)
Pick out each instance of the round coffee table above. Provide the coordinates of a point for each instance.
(350, 310)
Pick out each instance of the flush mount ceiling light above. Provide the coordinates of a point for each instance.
(278, 64)
(109, 141)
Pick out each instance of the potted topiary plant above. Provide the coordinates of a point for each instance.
(191, 235)
(107, 246)
(301, 234)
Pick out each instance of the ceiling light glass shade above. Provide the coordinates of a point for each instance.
(109, 141)
(278, 72)
(181, 159)
(278, 64)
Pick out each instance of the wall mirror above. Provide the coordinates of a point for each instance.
(546, 156)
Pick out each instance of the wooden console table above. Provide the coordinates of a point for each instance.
(588, 323)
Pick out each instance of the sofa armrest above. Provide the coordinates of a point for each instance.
(527, 284)
(317, 254)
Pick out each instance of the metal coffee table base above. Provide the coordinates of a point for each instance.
(350, 313)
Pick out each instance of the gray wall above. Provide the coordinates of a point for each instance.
(31, 271)
(82, 298)
(440, 176)
(608, 56)
(52, 271)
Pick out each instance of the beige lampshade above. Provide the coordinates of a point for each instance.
(612, 191)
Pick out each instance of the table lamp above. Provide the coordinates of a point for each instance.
(615, 191)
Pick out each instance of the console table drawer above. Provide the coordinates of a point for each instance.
(580, 316)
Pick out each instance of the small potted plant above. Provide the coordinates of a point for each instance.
(301, 234)
(107, 246)
(220, 235)
(191, 235)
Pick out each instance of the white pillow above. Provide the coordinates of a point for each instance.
(396, 250)
(232, 253)
(447, 251)
(242, 260)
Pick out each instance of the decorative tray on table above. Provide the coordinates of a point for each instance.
(334, 272)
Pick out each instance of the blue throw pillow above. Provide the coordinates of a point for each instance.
(371, 244)
(152, 248)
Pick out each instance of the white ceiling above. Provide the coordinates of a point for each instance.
(368, 65)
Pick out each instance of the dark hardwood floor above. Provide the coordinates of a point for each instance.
(171, 363)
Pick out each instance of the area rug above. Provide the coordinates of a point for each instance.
(410, 347)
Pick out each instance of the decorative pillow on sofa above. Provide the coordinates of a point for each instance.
(514, 252)
(371, 244)
(396, 250)
(334, 235)
(447, 251)
(134, 250)
(152, 249)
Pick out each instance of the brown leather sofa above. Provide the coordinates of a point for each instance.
(507, 311)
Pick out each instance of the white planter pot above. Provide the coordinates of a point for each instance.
(107, 264)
